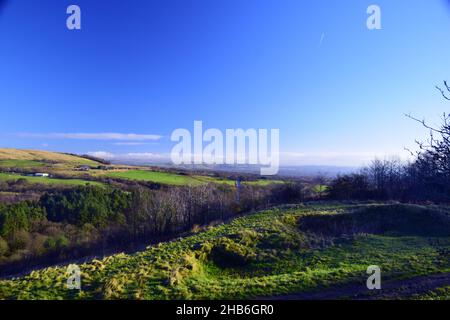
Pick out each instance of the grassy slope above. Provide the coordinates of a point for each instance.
(35, 158)
(10, 163)
(177, 179)
(64, 164)
(43, 161)
(46, 180)
(280, 260)
(436, 294)
(154, 176)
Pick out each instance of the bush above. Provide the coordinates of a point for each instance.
(20, 240)
(227, 253)
(3, 247)
(55, 243)
(37, 246)
(50, 244)
(247, 237)
(399, 220)
(62, 242)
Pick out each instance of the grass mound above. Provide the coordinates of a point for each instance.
(394, 220)
(227, 253)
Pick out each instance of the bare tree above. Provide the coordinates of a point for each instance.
(432, 165)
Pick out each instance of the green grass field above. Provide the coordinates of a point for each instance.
(47, 181)
(53, 162)
(155, 176)
(20, 163)
(260, 255)
(264, 182)
(178, 179)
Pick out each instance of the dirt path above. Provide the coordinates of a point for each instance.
(389, 290)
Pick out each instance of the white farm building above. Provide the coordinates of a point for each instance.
(40, 174)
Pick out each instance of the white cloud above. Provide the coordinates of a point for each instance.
(131, 156)
(94, 136)
(102, 155)
(130, 143)
(145, 156)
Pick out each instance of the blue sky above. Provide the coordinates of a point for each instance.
(336, 90)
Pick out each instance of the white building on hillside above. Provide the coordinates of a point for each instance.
(40, 174)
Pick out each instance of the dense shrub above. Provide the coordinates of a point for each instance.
(20, 240)
(3, 247)
(59, 242)
(402, 220)
(227, 253)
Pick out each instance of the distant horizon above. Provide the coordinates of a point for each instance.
(284, 170)
(165, 159)
(155, 159)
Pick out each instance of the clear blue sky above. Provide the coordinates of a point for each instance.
(336, 90)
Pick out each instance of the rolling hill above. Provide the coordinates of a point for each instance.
(33, 158)
(65, 165)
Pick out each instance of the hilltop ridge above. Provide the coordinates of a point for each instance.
(43, 156)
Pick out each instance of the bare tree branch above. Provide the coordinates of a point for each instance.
(424, 123)
(443, 92)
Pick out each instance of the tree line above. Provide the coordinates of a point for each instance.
(425, 178)
(71, 223)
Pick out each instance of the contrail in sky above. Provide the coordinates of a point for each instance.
(322, 37)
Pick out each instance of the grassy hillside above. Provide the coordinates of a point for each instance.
(442, 293)
(35, 158)
(270, 253)
(47, 181)
(178, 179)
(155, 176)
